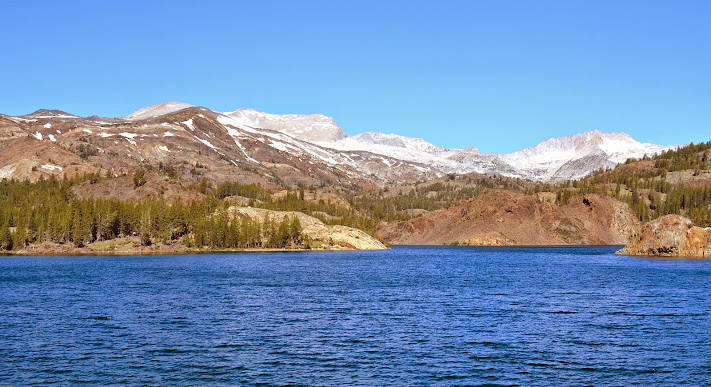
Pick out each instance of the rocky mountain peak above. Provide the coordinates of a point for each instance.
(396, 140)
(306, 127)
(50, 113)
(156, 110)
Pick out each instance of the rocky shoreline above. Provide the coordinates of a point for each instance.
(670, 236)
(131, 246)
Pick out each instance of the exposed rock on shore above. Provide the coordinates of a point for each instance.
(118, 246)
(670, 236)
(326, 237)
(491, 238)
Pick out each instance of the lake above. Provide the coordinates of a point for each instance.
(409, 315)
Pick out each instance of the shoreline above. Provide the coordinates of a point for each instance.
(76, 252)
(132, 246)
(157, 253)
(148, 251)
(508, 246)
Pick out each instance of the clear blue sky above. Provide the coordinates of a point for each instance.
(498, 75)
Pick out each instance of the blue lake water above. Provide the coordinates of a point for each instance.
(410, 315)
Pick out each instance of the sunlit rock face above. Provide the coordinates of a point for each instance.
(671, 236)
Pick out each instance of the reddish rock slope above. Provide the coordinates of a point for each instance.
(498, 217)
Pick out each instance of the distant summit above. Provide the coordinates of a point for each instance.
(307, 127)
(46, 113)
(575, 156)
(158, 110)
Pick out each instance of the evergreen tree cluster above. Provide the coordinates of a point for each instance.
(220, 231)
(48, 211)
(253, 191)
(329, 213)
(650, 194)
(648, 198)
(692, 156)
(387, 207)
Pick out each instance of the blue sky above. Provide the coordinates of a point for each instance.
(498, 75)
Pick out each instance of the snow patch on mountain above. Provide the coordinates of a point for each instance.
(189, 124)
(51, 167)
(415, 150)
(206, 143)
(413, 143)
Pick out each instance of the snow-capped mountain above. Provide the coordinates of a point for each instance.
(409, 149)
(398, 141)
(556, 159)
(311, 127)
(574, 156)
(560, 158)
(299, 149)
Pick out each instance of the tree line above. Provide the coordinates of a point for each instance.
(48, 211)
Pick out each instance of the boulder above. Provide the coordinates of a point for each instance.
(670, 236)
(491, 238)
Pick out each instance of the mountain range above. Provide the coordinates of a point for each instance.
(249, 145)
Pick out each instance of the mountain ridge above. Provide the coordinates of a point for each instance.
(310, 139)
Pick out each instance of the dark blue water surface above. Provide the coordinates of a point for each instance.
(410, 315)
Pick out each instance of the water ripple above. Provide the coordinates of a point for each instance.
(408, 316)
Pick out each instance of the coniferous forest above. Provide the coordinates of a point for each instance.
(49, 210)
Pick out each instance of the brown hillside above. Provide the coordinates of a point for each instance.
(498, 217)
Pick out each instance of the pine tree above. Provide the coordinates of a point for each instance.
(204, 185)
(145, 233)
(139, 177)
(295, 230)
(283, 233)
(20, 236)
(5, 237)
(77, 236)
